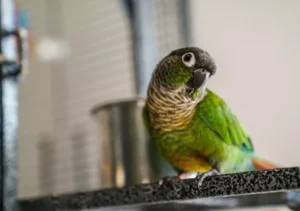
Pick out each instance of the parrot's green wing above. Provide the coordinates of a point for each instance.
(217, 115)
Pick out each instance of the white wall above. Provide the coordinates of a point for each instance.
(256, 46)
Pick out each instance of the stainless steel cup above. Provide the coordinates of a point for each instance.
(128, 156)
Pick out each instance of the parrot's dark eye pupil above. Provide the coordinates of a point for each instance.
(187, 57)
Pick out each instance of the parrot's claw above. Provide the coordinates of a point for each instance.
(178, 177)
(201, 176)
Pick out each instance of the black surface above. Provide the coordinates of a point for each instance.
(257, 182)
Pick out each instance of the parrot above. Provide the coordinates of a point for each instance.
(193, 128)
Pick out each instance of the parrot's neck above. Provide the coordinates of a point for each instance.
(169, 109)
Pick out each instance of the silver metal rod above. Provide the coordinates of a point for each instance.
(146, 46)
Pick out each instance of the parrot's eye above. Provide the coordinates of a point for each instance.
(203, 71)
(189, 59)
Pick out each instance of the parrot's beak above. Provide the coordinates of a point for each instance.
(199, 79)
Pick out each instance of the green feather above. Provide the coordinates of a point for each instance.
(215, 134)
(216, 114)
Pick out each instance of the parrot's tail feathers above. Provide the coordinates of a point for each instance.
(260, 164)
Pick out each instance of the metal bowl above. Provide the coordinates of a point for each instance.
(127, 154)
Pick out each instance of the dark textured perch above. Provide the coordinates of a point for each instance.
(258, 182)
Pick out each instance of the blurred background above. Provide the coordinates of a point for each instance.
(79, 54)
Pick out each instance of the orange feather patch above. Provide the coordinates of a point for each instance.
(260, 164)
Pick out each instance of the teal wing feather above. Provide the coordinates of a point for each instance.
(221, 120)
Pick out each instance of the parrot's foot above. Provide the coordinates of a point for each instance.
(178, 177)
(201, 176)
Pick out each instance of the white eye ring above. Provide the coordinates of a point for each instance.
(189, 59)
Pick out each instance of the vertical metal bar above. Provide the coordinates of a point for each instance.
(184, 6)
(10, 126)
(145, 42)
(2, 176)
(8, 111)
(146, 46)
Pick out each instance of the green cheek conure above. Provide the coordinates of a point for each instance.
(192, 127)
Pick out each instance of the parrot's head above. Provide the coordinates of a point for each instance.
(186, 68)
